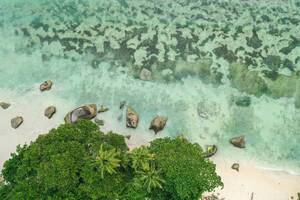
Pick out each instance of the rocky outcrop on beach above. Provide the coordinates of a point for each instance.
(16, 122)
(46, 85)
(235, 166)
(238, 141)
(49, 112)
(158, 123)
(88, 111)
(132, 118)
(210, 151)
(146, 75)
(4, 105)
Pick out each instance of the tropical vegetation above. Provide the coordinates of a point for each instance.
(75, 162)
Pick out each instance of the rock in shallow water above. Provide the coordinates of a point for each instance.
(50, 111)
(238, 141)
(4, 105)
(158, 123)
(88, 111)
(128, 137)
(46, 85)
(122, 104)
(16, 122)
(235, 166)
(132, 118)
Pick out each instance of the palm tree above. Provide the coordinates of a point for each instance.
(141, 157)
(149, 179)
(107, 161)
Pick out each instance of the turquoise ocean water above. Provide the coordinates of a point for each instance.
(203, 55)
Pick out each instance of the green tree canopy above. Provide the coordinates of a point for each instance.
(186, 172)
(77, 161)
(59, 166)
(141, 158)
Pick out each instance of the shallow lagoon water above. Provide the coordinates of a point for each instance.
(50, 40)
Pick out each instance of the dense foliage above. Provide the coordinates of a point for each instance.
(186, 172)
(79, 162)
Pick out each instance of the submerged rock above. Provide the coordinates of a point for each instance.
(202, 111)
(84, 112)
(224, 52)
(46, 85)
(99, 122)
(16, 122)
(205, 109)
(132, 118)
(238, 141)
(158, 123)
(247, 81)
(270, 74)
(122, 104)
(273, 62)
(4, 105)
(283, 86)
(235, 166)
(146, 75)
(210, 151)
(120, 117)
(200, 68)
(254, 41)
(243, 101)
(50, 111)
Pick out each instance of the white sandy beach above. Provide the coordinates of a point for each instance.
(264, 184)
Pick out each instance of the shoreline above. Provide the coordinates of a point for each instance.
(265, 183)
